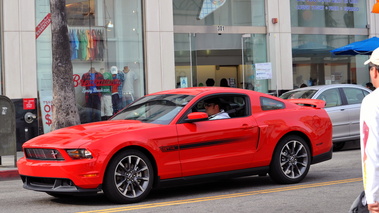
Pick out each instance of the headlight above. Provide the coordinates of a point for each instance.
(79, 154)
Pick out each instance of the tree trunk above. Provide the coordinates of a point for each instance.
(65, 111)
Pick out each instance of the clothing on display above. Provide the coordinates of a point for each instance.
(87, 44)
(91, 81)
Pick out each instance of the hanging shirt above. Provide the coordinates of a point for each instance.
(130, 77)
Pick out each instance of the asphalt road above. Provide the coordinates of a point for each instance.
(329, 187)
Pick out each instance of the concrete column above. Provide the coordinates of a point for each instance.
(159, 45)
(19, 57)
(279, 44)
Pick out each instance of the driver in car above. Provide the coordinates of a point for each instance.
(214, 109)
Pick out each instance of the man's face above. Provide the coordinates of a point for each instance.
(374, 76)
(211, 108)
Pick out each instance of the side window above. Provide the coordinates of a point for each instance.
(354, 95)
(233, 104)
(271, 104)
(332, 97)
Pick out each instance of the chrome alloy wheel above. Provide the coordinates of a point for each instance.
(294, 159)
(132, 176)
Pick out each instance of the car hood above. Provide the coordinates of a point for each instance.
(76, 136)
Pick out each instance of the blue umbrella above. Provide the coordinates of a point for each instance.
(364, 47)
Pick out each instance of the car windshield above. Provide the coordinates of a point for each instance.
(299, 94)
(158, 109)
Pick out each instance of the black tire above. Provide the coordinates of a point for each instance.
(291, 160)
(129, 177)
(338, 146)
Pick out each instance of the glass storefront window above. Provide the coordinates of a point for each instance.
(329, 13)
(313, 64)
(106, 54)
(204, 58)
(219, 12)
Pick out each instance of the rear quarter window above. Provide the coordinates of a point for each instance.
(271, 104)
(354, 95)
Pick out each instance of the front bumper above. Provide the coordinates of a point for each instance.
(54, 185)
(60, 176)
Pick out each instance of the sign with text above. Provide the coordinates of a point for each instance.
(29, 103)
(43, 25)
(263, 71)
(329, 5)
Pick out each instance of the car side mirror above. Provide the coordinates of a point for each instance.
(196, 116)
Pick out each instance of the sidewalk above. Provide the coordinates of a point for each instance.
(8, 168)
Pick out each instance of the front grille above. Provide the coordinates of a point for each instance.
(43, 154)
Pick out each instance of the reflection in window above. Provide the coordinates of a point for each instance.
(332, 98)
(158, 109)
(271, 104)
(354, 96)
(231, 13)
(313, 64)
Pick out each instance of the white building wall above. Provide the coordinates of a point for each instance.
(279, 43)
(19, 50)
(159, 45)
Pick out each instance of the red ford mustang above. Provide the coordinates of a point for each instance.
(167, 137)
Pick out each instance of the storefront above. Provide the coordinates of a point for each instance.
(321, 26)
(218, 40)
(245, 42)
(106, 38)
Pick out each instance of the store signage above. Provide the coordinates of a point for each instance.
(220, 28)
(333, 5)
(43, 25)
(29, 103)
(263, 71)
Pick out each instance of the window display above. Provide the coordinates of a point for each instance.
(105, 40)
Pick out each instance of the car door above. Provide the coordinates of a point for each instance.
(354, 97)
(337, 112)
(217, 145)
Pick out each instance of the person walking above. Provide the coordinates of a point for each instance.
(369, 132)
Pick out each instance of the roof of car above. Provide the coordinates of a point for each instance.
(198, 90)
(318, 87)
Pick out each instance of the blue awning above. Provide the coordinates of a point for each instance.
(364, 47)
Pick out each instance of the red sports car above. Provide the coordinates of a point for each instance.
(168, 137)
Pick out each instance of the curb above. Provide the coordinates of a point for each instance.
(9, 175)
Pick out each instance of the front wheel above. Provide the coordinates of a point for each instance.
(291, 160)
(129, 177)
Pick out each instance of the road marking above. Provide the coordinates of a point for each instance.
(227, 196)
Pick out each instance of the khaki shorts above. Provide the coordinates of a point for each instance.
(106, 105)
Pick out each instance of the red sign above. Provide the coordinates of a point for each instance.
(29, 103)
(43, 25)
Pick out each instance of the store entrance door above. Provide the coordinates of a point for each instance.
(199, 57)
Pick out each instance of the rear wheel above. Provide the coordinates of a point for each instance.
(129, 177)
(291, 160)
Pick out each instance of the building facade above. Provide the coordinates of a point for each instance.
(122, 50)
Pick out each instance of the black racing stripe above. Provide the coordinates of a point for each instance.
(199, 145)
(205, 143)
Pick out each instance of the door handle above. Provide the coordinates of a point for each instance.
(246, 126)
